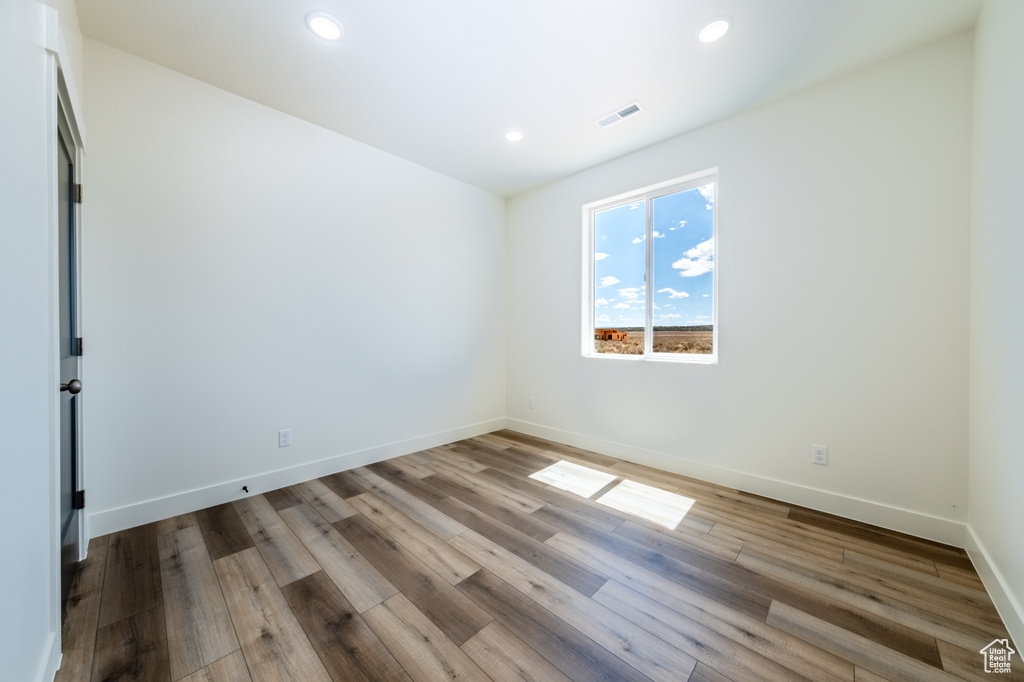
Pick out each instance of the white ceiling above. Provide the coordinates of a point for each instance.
(439, 83)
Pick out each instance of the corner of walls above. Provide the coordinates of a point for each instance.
(996, 467)
(999, 587)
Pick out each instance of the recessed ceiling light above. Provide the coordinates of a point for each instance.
(715, 29)
(514, 136)
(324, 25)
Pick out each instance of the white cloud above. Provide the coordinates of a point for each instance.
(708, 192)
(682, 223)
(698, 260)
(600, 302)
(640, 239)
(672, 293)
(631, 292)
(609, 280)
(671, 316)
(658, 235)
(705, 295)
(600, 256)
(635, 205)
(603, 319)
(622, 305)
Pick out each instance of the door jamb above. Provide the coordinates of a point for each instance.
(60, 87)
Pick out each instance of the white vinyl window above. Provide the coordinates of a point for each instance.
(650, 279)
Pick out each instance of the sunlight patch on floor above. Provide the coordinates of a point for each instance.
(573, 478)
(654, 504)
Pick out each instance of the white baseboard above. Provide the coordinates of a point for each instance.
(913, 523)
(1009, 607)
(112, 520)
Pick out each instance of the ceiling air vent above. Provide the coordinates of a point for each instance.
(619, 114)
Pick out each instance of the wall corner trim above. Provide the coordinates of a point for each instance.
(128, 516)
(50, 664)
(1007, 604)
(907, 521)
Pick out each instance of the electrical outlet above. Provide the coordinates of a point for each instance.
(529, 402)
(819, 454)
(284, 438)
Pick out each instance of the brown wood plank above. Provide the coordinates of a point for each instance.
(428, 516)
(362, 584)
(953, 556)
(863, 652)
(651, 655)
(973, 595)
(89, 575)
(423, 650)
(223, 531)
(506, 658)
(285, 555)
(498, 494)
(569, 650)
(175, 523)
(591, 511)
(347, 646)
(231, 668)
(410, 466)
(439, 556)
(131, 582)
(510, 517)
(692, 540)
(199, 630)
(970, 664)
(133, 649)
(703, 673)
(746, 631)
(455, 615)
(701, 642)
(343, 484)
(275, 646)
(410, 484)
(78, 636)
(733, 595)
(917, 626)
(282, 498)
(325, 501)
(571, 572)
(512, 460)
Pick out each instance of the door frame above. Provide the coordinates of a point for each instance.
(62, 96)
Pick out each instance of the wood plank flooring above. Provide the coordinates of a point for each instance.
(454, 564)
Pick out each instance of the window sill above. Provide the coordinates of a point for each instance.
(683, 359)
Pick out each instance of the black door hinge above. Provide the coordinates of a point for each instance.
(76, 346)
(79, 501)
(78, 193)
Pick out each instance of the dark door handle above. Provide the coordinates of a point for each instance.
(72, 387)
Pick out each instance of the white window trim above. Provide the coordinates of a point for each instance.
(647, 194)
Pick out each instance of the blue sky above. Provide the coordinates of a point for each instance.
(683, 261)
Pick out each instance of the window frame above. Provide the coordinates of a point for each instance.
(647, 195)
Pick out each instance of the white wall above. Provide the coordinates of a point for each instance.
(29, 618)
(244, 272)
(997, 311)
(843, 255)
